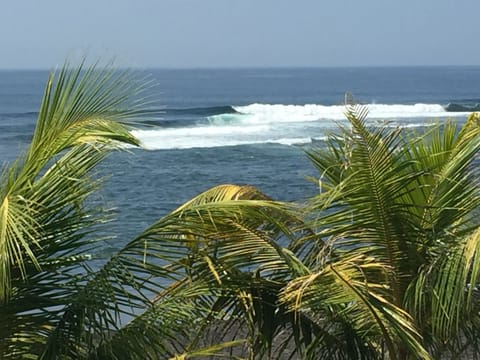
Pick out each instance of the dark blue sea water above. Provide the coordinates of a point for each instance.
(244, 126)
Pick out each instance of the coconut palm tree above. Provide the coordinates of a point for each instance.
(293, 291)
(409, 203)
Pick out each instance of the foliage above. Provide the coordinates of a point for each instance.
(52, 304)
(410, 202)
(383, 263)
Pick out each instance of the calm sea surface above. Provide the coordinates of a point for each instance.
(243, 126)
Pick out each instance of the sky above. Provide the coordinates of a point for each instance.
(240, 33)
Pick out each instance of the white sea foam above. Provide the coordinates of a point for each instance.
(291, 141)
(267, 113)
(202, 136)
(158, 140)
(281, 124)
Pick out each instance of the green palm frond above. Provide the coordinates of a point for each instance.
(226, 192)
(449, 189)
(46, 225)
(365, 181)
(87, 105)
(201, 249)
(446, 295)
(455, 286)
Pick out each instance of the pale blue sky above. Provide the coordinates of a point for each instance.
(240, 33)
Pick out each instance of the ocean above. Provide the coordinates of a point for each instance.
(242, 126)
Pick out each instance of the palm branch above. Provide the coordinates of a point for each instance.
(409, 201)
(46, 225)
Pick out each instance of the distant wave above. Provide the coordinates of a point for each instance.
(463, 106)
(203, 111)
(208, 137)
(218, 126)
(267, 113)
(274, 123)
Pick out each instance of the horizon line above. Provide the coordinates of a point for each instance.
(255, 67)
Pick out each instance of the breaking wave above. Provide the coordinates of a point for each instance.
(272, 123)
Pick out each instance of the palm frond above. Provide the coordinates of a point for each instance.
(366, 180)
(215, 247)
(45, 224)
(410, 202)
(343, 290)
(446, 292)
(449, 189)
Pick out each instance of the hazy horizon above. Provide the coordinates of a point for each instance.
(193, 68)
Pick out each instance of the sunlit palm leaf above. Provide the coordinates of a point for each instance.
(343, 288)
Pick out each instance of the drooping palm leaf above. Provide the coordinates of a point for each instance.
(192, 248)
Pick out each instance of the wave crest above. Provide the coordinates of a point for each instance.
(272, 123)
(268, 113)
